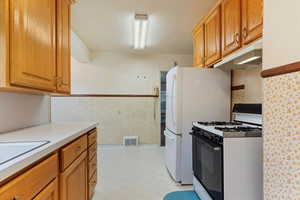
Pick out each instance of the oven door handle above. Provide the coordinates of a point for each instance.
(217, 148)
(209, 144)
(213, 147)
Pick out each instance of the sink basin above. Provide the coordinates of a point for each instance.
(12, 150)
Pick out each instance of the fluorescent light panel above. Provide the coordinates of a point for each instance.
(140, 31)
(248, 60)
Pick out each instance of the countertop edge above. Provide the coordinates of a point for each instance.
(28, 160)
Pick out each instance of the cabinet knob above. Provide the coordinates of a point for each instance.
(78, 148)
(15, 198)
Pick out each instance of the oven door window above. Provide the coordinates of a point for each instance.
(208, 165)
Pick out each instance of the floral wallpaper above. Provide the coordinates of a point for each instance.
(282, 137)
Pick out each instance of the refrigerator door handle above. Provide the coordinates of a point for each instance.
(172, 99)
(169, 136)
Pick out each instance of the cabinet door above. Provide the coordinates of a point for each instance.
(63, 46)
(74, 180)
(213, 37)
(198, 39)
(30, 183)
(49, 193)
(33, 44)
(231, 26)
(252, 13)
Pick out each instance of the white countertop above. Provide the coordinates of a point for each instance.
(58, 134)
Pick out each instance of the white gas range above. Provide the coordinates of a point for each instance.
(227, 156)
(230, 129)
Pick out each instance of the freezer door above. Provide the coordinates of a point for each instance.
(172, 155)
(171, 101)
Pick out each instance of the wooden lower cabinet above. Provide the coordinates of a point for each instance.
(69, 173)
(92, 185)
(69, 153)
(30, 183)
(73, 181)
(92, 162)
(49, 193)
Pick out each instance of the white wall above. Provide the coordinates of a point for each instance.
(281, 33)
(117, 73)
(251, 79)
(22, 110)
(118, 117)
(79, 49)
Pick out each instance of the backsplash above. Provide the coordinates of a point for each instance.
(252, 81)
(23, 110)
(118, 116)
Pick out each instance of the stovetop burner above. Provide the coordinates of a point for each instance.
(218, 123)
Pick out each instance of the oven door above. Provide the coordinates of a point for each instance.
(208, 165)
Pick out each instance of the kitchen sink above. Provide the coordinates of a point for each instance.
(12, 150)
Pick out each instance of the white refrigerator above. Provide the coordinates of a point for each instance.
(193, 94)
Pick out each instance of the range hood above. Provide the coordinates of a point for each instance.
(247, 57)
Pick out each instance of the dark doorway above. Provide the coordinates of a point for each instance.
(163, 93)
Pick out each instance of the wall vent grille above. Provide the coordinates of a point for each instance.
(130, 140)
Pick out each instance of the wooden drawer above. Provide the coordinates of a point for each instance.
(49, 193)
(92, 137)
(72, 151)
(92, 185)
(92, 166)
(92, 151)
(30, 183)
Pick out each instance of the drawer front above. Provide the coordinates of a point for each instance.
(92, 166)
(31, 182)
(92, 185)
(92, 151)
(49, 193)
(72, 151)
(92, 138)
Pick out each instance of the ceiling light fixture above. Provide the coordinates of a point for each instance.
(140, 30)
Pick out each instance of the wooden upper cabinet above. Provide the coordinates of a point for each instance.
(252, 15)
(63, 46)
(33, 44)
(213, 37)
(231, 26)
(198, 40)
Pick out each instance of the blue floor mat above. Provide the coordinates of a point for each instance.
(182, 195)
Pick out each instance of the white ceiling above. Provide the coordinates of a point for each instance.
(107, 25)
